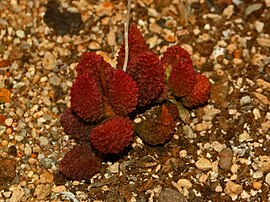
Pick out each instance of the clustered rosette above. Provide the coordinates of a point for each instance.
(104, 100)
(182, 81)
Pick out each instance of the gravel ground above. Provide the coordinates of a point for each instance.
(222, 154)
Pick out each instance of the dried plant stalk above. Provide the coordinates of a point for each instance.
(184, 9)
(126, 35)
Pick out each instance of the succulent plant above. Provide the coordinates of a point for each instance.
(136, 44)
(86, 98)
(147, 70)
(74, 126)
(80, 163)
(104, 100)
(200, 93)
(173, 55)
(123, 92)
(92, 63)
(113, 135)
(180, 74)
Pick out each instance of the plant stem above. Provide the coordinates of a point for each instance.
(126, 35)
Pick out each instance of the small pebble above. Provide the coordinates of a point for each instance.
(54, 79)
(47, 101)
(114, 168)
(4, 143)
(42, 191)
(7, 194)
(153, 27)
(46, 177)
(111, 38)
(184, 183)
(58, 189)
(262, 98)
(28, 150)
(252, 7)
(47, 163)
(234, 168)
(267, 178)
(257, 175)
(244, 137)
(49, 61)
(152, 42)
(257, 59)
(20, 34)
(189, 132)
(245, 100)
(245, 195)
(203, 126)
(257, 185)
(218, 188)
(2, 129)
(75, 183)
(183, 153)
(256, 114)
(264, 42)
(217, 146)
(203, 164)
(226, 158)
(264, 164)
(104, 9)
(263, 84)
(8, 121)
(170, 195)
(267, 3)
(259, 26)
(19, 112)
(17, 195)
(228, 11)
(31, 161)
(94, 45)
(43, 141)
(233, 189)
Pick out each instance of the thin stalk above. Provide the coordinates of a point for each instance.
(126, 26)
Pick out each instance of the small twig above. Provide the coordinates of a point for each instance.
(126, 36)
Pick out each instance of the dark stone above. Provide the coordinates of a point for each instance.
(62, 22)
(170, 195)
(12, 150)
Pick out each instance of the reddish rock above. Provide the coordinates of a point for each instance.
(7, 170)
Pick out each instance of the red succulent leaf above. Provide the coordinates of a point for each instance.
(173, 110)
(136, 44)
(146, 69)
(90, 62)
(80, 163)
(200, 93)
(74, 126)
(123, 92)
(86, 98)
(113, 135)
(182, 78)
(173, 55)
(156, 126)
